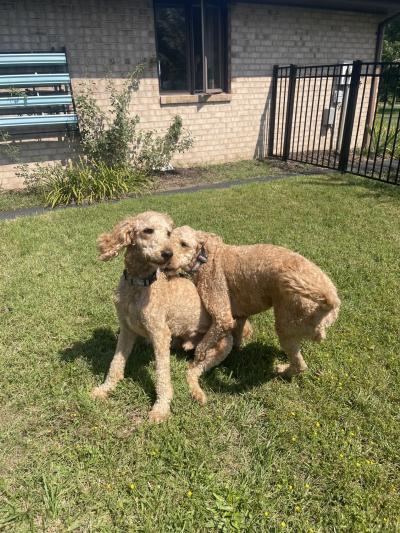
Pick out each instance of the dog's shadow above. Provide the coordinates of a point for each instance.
(244, 368)
(99, 350)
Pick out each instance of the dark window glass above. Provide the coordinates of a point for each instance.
(197, 48)
(190, 43)
(171, 43)
(213, 46)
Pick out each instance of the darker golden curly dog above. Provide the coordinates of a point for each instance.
(239, 281)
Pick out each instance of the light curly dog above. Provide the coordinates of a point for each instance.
(235, 282)
(150, 305)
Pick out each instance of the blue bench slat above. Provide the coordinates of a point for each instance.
(31, 101)
(34, 80)
(20, 60)
(34, 120)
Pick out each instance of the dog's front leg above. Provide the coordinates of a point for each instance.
(215, 333)
(161, 340)
(126, 340)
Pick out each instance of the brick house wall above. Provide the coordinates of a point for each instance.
(106, 39)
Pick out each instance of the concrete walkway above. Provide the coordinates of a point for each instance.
(32, 211)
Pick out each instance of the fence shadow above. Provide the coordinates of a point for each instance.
(261, 149)
(382, 191)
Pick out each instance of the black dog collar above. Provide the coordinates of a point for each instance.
(142, 282)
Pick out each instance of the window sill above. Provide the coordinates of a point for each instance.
(184, 98)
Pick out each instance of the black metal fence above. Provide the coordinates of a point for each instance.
(344, 116)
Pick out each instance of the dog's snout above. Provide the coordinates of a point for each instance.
(167, 254)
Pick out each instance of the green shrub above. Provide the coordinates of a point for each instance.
(114, 156)
(113, 137)
(81, 182)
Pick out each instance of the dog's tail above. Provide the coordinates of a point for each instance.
(317, 287)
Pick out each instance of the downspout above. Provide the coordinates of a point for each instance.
(380, 34)
(369, 122)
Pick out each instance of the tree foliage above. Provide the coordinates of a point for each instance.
(391, 43)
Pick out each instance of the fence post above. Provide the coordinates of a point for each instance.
(289, 112)
(272, 112)
(350, 114)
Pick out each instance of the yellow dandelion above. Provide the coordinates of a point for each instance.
(132, 486)
(290, 487)
(341, 455)
(294, 439)
(307, 486)
(266, 514)
(297, 509)
(283, 524)
(317, 424)
(189, 493)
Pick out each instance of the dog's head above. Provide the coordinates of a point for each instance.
(147, 234)
(188, 246)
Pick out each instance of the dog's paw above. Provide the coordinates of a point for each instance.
(157, 415)
(284, 370)
(99, 393)
(287, 371)
(188, 345)
(199, 396)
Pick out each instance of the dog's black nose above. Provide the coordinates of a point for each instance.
(167, 254)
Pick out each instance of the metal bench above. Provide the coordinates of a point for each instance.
(31, 97)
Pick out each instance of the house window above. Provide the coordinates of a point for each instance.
(191, 45)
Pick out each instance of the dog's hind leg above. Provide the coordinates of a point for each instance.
(126, 340)
(214, 356)
(290, 335)
(243, 330)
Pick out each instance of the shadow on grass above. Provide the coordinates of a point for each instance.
(242, 370)
(380, 190)
(99, 350)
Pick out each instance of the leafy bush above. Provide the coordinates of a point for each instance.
(80, 182)
(115, 157)
(113, 137)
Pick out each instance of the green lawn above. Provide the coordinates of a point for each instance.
(320, 453)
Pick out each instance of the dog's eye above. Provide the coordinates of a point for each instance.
(149, 231)
(184, 244)
(169, 233)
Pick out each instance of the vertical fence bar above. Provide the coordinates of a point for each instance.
(289, 111)
(350, 114)
(272, 114)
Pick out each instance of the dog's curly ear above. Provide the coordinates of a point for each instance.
(110, 244)
(207, 239)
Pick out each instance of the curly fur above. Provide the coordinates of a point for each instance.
(239, 281)
(169, 308)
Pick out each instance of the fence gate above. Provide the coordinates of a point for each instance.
(344, 116)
